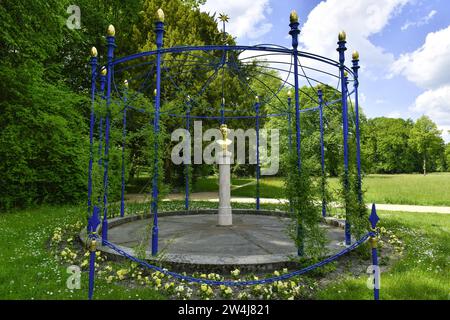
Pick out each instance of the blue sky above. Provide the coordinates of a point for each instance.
(404, 46)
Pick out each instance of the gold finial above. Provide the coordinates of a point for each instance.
(294, 16)
(103, 71)
(111, 31)
(155, 92)
(289, 93)
(92, 245)
(345, 74)
(125, 83)
(160, 15)
(373, 242)
(355, 55)
(94, 52)
(342, 36)
(257, 98)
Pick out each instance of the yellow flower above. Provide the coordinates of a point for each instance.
(235, 272)
(242, 296)
(179, 289)
(280, 285)
(121, 273)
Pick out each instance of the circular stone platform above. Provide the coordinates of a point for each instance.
(194, 242)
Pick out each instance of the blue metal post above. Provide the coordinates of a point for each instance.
(159, 29)
(341, 49)
(103, 74)
(355, 68)
(294, 32)
(222, 111)
(93, 223)
(111, 45)
(258, 166)
(322, 153)
(373, 243)
(289, 100)
(124, 137)
(91, 125)
(186, 175)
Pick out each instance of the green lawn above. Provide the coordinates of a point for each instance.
(415, 189)
(270, 187)
(423, 272)
(30, 270)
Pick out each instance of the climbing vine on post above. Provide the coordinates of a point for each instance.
(305, 211)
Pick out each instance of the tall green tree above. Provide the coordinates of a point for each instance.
(385, 145)
(447, 156)
(426, 140)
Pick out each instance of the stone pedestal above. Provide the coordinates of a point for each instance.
(225, 217)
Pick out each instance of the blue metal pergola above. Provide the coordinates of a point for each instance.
(214, 58)
(156, 72)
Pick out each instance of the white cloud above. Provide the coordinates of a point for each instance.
(360, 19)
(435, 103)
(428, 66)
(421, 22)
(248, 18)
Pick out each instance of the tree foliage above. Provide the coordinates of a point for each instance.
(44, 85)
(425, 139)
(402, 146)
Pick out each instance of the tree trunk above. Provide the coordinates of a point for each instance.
(424, 166)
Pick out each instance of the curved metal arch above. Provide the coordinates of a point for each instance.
(276, 49)
(207, 60)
